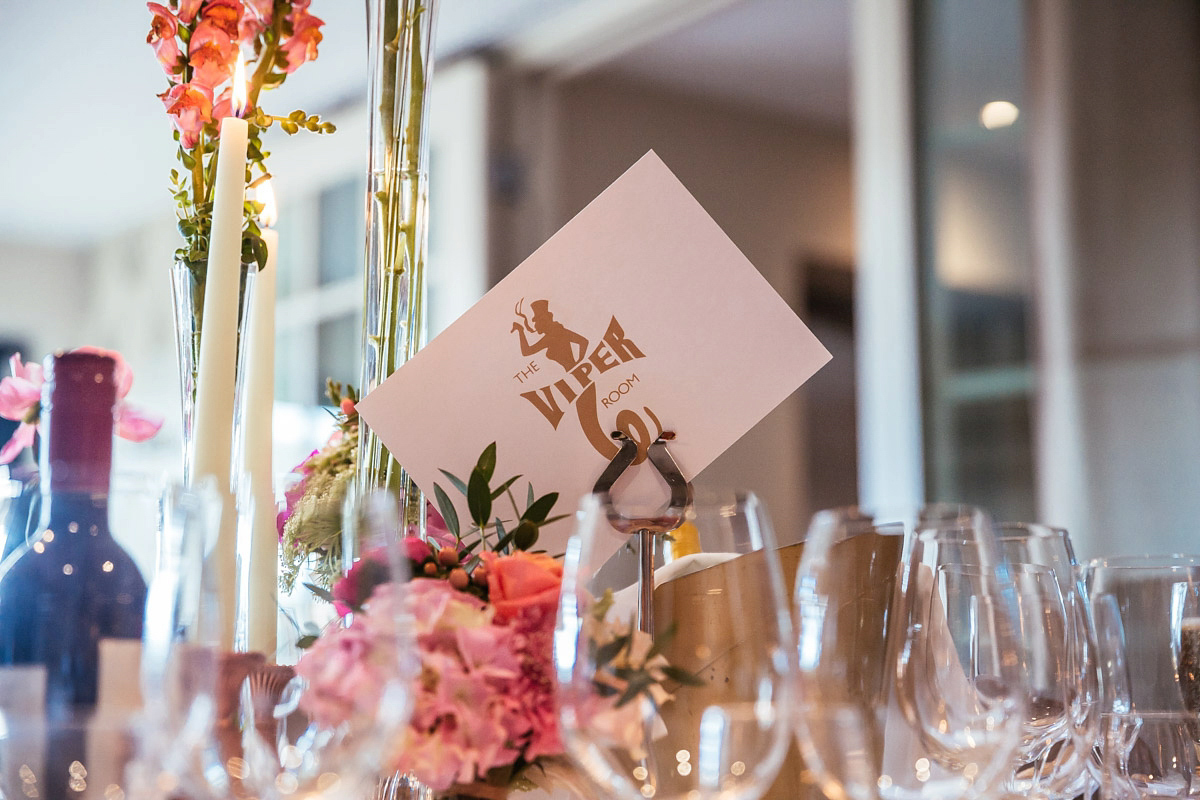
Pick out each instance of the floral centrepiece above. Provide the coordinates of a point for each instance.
(197, 43)
(484, 708)
(21, 401)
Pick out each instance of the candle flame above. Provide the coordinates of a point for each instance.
(238, 100)
(266, 196)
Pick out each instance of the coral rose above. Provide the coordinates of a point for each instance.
(522, 580)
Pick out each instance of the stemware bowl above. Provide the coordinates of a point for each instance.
(843, 594)
(957, 706)
(691, 705)
(1061, 772)
(1146, 611)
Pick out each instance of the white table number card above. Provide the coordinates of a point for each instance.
(640, 315)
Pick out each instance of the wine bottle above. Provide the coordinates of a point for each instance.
(71, 586)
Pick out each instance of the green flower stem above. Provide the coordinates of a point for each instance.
(400, 203)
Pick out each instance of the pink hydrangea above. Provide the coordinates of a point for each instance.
(484, 697)
(349, 668)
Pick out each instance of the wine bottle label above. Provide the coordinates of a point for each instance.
(23, 689)
(119, 686)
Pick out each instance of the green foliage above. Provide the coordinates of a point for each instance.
(481, 499)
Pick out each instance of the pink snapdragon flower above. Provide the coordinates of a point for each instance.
(223, 14)
(301, 46)
(164, 27)
(211, 52)
(223, 107)
(20, 400)
(190, 107)
(256, 18)
(188, 9)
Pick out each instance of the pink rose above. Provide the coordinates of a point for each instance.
(211, 52)
(190, 107)
(163, 29)
(435, 529)
(522, 580)
(301, 46)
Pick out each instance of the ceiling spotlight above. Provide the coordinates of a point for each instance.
(998, 114)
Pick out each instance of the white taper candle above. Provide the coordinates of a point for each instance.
(216, 375)
(260, 405)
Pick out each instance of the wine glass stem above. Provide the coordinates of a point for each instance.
(646, 581)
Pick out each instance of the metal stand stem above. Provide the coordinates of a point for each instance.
(646, 528)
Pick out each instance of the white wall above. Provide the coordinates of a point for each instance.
(1119, 175)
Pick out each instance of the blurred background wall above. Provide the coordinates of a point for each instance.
(1013, 303)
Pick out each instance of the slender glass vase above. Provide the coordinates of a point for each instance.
(187, 289)
(400, 52)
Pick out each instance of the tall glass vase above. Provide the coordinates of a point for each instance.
(187, 289)
(400, 52)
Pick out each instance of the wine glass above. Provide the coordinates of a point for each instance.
(957, 706)
(844, 588)
(1061, 771)
(1147, 613)
(683, 693)
(227, 724)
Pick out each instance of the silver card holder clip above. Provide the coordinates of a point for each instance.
(645, 527)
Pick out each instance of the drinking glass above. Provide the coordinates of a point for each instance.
(1147, 612)
(1061, 771)
(69, 695)
(687, 696)
(844, 588)
(223, 724)
(957, 709)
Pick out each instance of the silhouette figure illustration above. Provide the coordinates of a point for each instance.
(557, 340)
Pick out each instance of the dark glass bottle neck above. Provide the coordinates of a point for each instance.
(77, 423)
(75, 512)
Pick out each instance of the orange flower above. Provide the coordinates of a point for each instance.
(522, 580)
